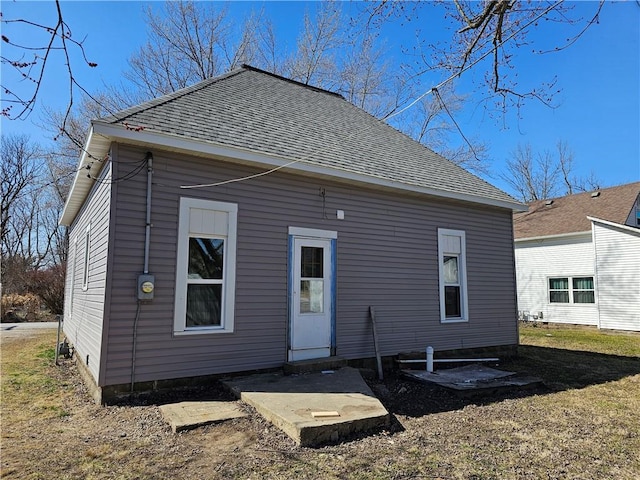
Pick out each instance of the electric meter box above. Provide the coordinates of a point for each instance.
(146, 287)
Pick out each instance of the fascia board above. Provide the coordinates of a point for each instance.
(93, 152)
(615, 225)
(172, 142)
(550, 237)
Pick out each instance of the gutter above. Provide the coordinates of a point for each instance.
(550, 237)
(102, 134)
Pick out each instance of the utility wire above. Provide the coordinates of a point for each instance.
(436, 92)
(402, 110)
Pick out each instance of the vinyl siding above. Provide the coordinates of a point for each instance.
(84, 309)
(537, 260)
(618, 276)
(386, 257)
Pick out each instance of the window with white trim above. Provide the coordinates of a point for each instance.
(87, 249)
(205, 269)
(452, 267)
(571, 290)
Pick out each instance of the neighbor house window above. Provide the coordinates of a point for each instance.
(85, 269)
(453, 275)
(205, 276)
(571, 290)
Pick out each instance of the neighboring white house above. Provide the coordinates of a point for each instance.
(578, 259)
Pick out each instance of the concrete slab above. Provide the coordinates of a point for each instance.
(472, 378)
(186, 415)
(314, 408)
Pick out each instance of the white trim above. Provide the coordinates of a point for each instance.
(620, 226)
(313, 233)
(229, 267)
(548, 237)
(89, 167)
(462, 272)
(102, 134)
(87, 251)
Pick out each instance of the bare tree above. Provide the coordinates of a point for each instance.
(366, 78)
(189, 42)
(29, 62)
(314, 62)
(490, 36)
(18, 171)
(545, 175)
(30, 204)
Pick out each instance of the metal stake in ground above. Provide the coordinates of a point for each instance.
(372, 313)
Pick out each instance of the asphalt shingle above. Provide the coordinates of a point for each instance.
(569, 214)
(257, 111)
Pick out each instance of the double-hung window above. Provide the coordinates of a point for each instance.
(205, 276)
(571, 290)
(453, 275)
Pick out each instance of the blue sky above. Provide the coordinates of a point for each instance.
(598, 107)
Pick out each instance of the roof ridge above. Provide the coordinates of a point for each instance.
(290, 80)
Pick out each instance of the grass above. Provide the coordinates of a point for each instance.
(584, 424)
(29, 386)
(581, 338)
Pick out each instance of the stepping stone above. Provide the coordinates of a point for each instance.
(187, 415)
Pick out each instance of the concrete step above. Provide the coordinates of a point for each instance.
(314, 365)
(316, 408)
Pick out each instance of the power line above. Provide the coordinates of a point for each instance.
(402, 110)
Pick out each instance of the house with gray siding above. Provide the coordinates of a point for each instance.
(577, 259)
(250, 220)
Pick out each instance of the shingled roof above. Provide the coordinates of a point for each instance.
(569, 214)
(256, 114)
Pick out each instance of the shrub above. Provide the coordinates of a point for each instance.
(18, 307)
(49, 286)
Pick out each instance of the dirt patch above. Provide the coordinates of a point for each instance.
(51, 429)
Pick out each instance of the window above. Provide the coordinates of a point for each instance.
(453, 276)
(311, 280)
(85, 270)
(205, 274)
(571, 290)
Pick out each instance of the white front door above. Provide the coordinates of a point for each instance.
(311, 299)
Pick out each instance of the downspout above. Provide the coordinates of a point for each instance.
(147, 242)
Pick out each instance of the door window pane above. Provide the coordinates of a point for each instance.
(203, 305)
(206, 257)
(311, 296)
(311, 262)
